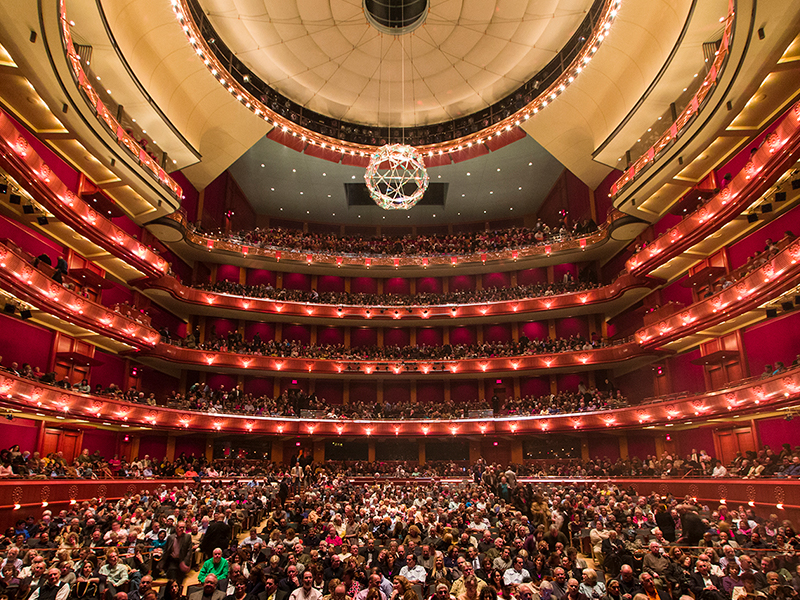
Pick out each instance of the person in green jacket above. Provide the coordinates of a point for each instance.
(216, 565)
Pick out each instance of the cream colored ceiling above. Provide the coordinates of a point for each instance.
(324, 55)
(588, 111)
(156, 49)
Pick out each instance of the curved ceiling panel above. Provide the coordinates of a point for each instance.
(324, 54)
(630, 58)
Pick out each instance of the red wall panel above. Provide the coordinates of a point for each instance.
(111, 371)
(219, 380)
(29, 240)
(536, 330)
(768, 342)
(571, 326)
(299, 333)
(462, 391)
(534, 386)
(154, 446)
(190, 445)
(560, 270)
(330, 283)
(530, 276)
(429, 285)
(297, 281)
(21, 432)
(397, 337)
(222, 327)
(98, 439)
(397, 285)
(430, 391)
(158, 383)
(497, 280)
(330, 335)
(35, 350)
(463, 335)
(739, 252)
(601, 446)
(363, 336)
(363, 391)
(429, 336)
(330, 390)
(776, 432)
(397, 392)
(260, 276)
(568, 382)
(497, 333)
(641, 445)
(228, 273)
(460, 283)
(259, 386)
(363, 285)
(266, 331)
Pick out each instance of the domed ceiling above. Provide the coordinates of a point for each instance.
(326, 56)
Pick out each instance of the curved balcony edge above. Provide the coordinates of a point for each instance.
(776, 276)
(35, 287)
(695, 106)
(455, 312)
(769, 162)
(19, 157)
(751, 396)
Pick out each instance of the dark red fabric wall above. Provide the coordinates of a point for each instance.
(190, 445)
(641, 445)
(363, 336)
(396, 392)
(572, 326)
(739, 252)
(602, 446)
(329, 390)
(465, 391)
(497, 280)
(155, 446)
(534, 386)
(497, 333)
(429, 336)
(260, 276)
(297, 281)
(266, 331)
(29, 240)
(462, 335)
(111, 371)
(22, 432)
(363, 391)
(430, 391)
(397, 285)
(768, 342)
(330, 335)
(536, 330)
(397, 337)
(330, 283)
(429, 285)
(776, 432)
(228, 273)
(259, 386)
(35, 350)
(462, 283)
(298, 333)
(363, 285)
(98, 439)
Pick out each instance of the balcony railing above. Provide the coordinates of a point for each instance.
(764, 168)
(687, 115)
(22, 159)
(35, 287)
(104, 116)
(390, 312)
(765, 394)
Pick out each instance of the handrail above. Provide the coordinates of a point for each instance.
(765, 166)
(770, 393)
(568, 300)
(20, 157)
(105, 117)
(338, 259)
(36, 288)
(688, 114)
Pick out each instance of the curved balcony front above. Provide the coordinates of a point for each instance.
(166, 356)
(601, 244)
(749, 396)
(625, 290)
(778, 275)
(19, 158)
(766, 165)
(35, 287)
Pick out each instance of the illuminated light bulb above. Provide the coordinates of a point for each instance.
(425, 429)
(397, 431)
(279, 365)
(368, 431)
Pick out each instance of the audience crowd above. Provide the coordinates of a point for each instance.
(304, 533)
(235, 342)
(464, 242)
(492, 294)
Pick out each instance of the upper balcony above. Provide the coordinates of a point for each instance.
(610, 299)
(754, 395)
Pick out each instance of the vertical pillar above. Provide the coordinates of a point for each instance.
(379, 391)
(276, 451)
(319, 451)
(242, 275)
(276, 387)
(133, 448)
(279, 280)
(480, 334)
(551, 274)
(445, 335)
(380, 336)
(584, 448)
(314, 281)
(551, 329)
(553, 384)
(422, 458)
(414, 391)
(515, 331)
(380, 283)
(346, 392)
(517, 393)
(209, 448)
(479, 281)
(447, 390)
(513, 279)
(412, 336)
(40, 437)
(313, 334)
(474, 451)
(214, 273)
(201, 328)
(623, 446)
(446, 285)
(516, 451)
(371, 451)
(346, 337)
(347, 285)
(660, 446)
(412, 286)
(170, 452)
(278, 331)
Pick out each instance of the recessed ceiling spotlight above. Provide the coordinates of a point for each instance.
(498, 169)
(301, 193)
(263, 165)
(308, 212)
(324, 174)
(484, 212)
(468, 174)
(294, 170)
(530, 164)
(491, 192)
(273, 189)
(329, 195)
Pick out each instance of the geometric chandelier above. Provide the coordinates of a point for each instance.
(396, 177)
